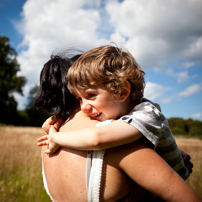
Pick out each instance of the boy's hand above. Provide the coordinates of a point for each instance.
(49, 141)
(52, 121)
(187, 161)
(43, 141)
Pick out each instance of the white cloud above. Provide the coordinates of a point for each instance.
(196, 116)
(49, 25)
(153, 90)
(148, 29)
(166, 100)
(159, 30)
(180, 76)
(193, 89)
(22, 101)
(188, 64)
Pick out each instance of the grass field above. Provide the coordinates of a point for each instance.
(20, 164)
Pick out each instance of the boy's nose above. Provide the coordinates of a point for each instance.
(86, 108)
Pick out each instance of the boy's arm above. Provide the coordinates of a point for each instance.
(111, 135)
(53, 120)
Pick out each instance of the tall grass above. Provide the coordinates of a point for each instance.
(20, 164)
(193, 147)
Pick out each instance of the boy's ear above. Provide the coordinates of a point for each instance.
(125, 91)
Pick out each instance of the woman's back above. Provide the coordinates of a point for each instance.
(68, 182)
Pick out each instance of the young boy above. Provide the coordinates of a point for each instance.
(109, 85)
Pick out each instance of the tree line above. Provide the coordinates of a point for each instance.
(188, 128)
(11, 83)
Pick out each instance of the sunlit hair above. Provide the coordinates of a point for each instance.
(109, 67)
(53, 93)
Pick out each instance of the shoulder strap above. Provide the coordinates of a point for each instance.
(94, 171)
(88, 169)
(95, 176)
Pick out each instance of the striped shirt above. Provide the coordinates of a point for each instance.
(148, 119)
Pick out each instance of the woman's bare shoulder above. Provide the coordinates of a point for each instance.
(77, 121)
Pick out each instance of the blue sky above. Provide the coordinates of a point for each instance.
(9, 14)
(167, 45)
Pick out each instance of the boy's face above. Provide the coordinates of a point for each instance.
(100, 104)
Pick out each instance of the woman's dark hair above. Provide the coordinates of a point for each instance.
(53, 93)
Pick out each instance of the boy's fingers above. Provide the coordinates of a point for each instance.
(189, 167)
(52, 129)
(42, 138)
(42, 143)
(58, 123)
(47, 151)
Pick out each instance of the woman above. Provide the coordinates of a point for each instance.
(122, 167)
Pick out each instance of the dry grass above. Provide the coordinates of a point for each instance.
(193, 147)
(20, 164)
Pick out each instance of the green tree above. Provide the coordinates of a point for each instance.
(178, 126)
(9, 82)
(188, 128)
(35, 117)
(195, 127)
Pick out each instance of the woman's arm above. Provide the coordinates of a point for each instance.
(144, 166)
(113, 134)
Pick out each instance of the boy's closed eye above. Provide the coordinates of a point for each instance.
(91, 95)
(87, 96)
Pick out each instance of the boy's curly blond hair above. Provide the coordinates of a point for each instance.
(108, 67)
